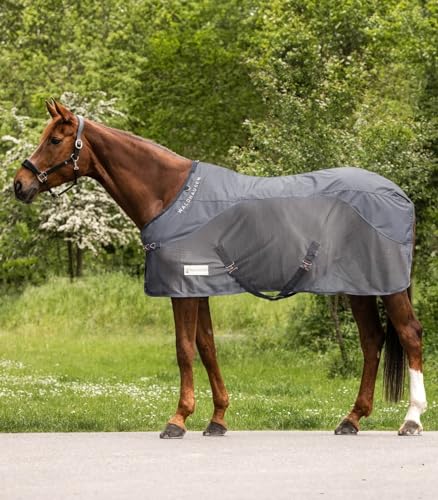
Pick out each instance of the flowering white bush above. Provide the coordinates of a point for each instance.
(16, 144)
(88, 217)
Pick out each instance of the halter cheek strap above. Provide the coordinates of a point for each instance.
(42, 176)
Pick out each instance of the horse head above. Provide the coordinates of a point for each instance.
(56, 159)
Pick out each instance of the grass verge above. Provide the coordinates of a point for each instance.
(97, 355)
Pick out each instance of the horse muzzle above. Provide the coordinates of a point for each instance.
(25, 192)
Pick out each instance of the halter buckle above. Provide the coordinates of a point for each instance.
(78, 144)
(42, 177)
(75, 159)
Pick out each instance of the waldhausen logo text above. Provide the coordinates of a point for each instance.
(190, 196)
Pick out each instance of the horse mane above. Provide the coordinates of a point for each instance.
(137, 138)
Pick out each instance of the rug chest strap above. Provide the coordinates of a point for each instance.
(288, 290)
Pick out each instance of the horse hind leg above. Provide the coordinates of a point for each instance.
(409, 330)
(372, 338)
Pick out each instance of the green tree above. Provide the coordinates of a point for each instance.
(176, 67)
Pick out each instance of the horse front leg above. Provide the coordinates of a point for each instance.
(372, 338)
(185, 313)
(409, 330)
(207, 351)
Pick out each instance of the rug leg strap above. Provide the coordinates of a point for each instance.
(288, 290)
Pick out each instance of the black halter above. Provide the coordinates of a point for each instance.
(42, 176)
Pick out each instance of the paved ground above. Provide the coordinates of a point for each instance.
(242, 465)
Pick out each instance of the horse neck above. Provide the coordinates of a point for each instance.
(142, 177)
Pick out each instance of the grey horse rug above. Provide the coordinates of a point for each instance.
(341, 230)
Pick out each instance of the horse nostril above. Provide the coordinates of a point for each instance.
(18, 187)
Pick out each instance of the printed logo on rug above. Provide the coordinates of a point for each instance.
(190, 196)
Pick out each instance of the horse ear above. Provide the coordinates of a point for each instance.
(51, 108)
(65, 113)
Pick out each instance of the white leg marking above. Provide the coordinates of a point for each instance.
(417, 403)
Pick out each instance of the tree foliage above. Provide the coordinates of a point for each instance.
(266, 86)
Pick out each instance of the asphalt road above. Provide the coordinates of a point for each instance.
(241, 465)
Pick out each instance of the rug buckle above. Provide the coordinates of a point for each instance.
(231, 267)
(149, 247)
(306, 264)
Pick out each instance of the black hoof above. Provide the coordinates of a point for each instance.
(172, 431)
(346, 427)
(410, 428)
(215, 429)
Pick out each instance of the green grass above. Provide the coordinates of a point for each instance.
(97, 355)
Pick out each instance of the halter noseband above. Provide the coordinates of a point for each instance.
(42, 176)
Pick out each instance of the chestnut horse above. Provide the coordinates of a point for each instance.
(144, 178)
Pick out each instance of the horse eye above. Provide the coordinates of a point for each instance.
(55, 140)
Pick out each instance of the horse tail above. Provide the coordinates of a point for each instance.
(394, 367)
